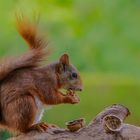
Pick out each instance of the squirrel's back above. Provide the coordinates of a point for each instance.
(38, 49)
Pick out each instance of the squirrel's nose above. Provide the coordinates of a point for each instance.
(80, 89)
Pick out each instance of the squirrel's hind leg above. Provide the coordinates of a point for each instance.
(19, 114)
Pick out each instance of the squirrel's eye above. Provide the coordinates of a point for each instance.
(74, 75)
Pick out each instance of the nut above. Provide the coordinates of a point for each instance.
(75, 125)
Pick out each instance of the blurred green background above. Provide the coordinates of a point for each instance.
(102, 38)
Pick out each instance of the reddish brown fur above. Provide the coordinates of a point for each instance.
(22, 80)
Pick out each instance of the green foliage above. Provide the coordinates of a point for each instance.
(102, 38)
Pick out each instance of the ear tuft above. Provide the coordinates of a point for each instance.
(64, 59)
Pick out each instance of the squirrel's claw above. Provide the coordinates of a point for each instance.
(42, 127)
(72, 97)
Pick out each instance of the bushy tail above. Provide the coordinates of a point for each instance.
(38, 49)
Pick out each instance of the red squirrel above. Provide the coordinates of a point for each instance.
(26, 86)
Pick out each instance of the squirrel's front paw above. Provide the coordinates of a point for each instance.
(72, 98)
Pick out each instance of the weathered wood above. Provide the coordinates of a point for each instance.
(107, 125)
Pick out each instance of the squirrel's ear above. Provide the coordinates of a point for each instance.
(64, 59)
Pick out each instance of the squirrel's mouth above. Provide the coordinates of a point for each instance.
(74, 89)
(68, 90)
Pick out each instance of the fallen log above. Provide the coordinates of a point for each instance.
(107, 125)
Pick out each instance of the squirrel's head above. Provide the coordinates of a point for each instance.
(68, 75)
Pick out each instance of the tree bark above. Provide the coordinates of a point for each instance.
(107, 125)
